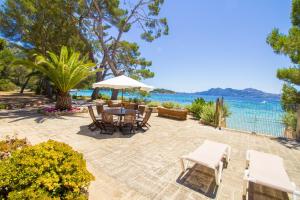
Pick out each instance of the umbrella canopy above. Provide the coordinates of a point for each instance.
(123, 82)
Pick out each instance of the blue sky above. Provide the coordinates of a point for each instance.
(218, 43)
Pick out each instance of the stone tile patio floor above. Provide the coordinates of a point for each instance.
(146, 165)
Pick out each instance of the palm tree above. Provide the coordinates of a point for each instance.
(65, 71)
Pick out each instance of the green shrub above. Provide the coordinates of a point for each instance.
(199, 101)
(196, 107)
(208, 114)
(49, 170)
(226, 111)
(120, 98)
(179, 106)
(136, 100)
(104, 97)
(171, 105)
(168, 104)
(290, 120)
(188, 107)
(154, 104)
(2, 106)
(7, 85)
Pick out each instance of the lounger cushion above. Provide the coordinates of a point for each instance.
(268, 169)
(208, 154)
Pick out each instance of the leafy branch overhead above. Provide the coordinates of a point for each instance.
(108, 17)
(43, 25)
(289, 45)
(97, 28)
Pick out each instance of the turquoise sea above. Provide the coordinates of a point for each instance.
(259, 115)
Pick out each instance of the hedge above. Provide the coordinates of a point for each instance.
(49, 170)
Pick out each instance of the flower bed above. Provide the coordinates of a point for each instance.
(51, 111)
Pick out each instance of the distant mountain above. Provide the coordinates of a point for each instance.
(248, 92)
(163, 91)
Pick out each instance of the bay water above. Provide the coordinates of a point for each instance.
(259, 115)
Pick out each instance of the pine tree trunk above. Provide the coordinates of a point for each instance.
(48, 89)
(297, 133)
(63, 101)
(99, 77)
(24, 85)
(114, 94)
(95, 93)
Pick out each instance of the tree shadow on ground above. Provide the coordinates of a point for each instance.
(84, 130)
(289, 143)
(200, 179)
(19, 115)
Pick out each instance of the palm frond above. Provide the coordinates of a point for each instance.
(65, 70)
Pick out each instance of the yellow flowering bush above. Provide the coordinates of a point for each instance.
(49, 170)
(11, 144)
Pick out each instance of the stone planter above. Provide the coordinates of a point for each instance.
(154, 109)
(180, 114)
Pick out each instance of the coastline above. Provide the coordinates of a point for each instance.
(260, 115)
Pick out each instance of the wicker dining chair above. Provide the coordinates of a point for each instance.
(141, 110)
(114, 103)
(128, 123)
(108, 123)
(96, 122)
(99, 108)
(141, 123)
(129, 106)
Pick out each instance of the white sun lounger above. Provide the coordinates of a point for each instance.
(267, 170)
(209, 154)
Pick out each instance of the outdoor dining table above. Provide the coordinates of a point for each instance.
(120, 112)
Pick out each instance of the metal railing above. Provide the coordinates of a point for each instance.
(259, 117)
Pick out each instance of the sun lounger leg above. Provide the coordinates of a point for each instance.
(228, 154)
(182, 165)
(245, 183)
(296, 193)
(218, 173)
(247, 159)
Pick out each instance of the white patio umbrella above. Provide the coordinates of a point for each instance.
(123, 82)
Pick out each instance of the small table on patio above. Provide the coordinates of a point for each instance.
(119, 112)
